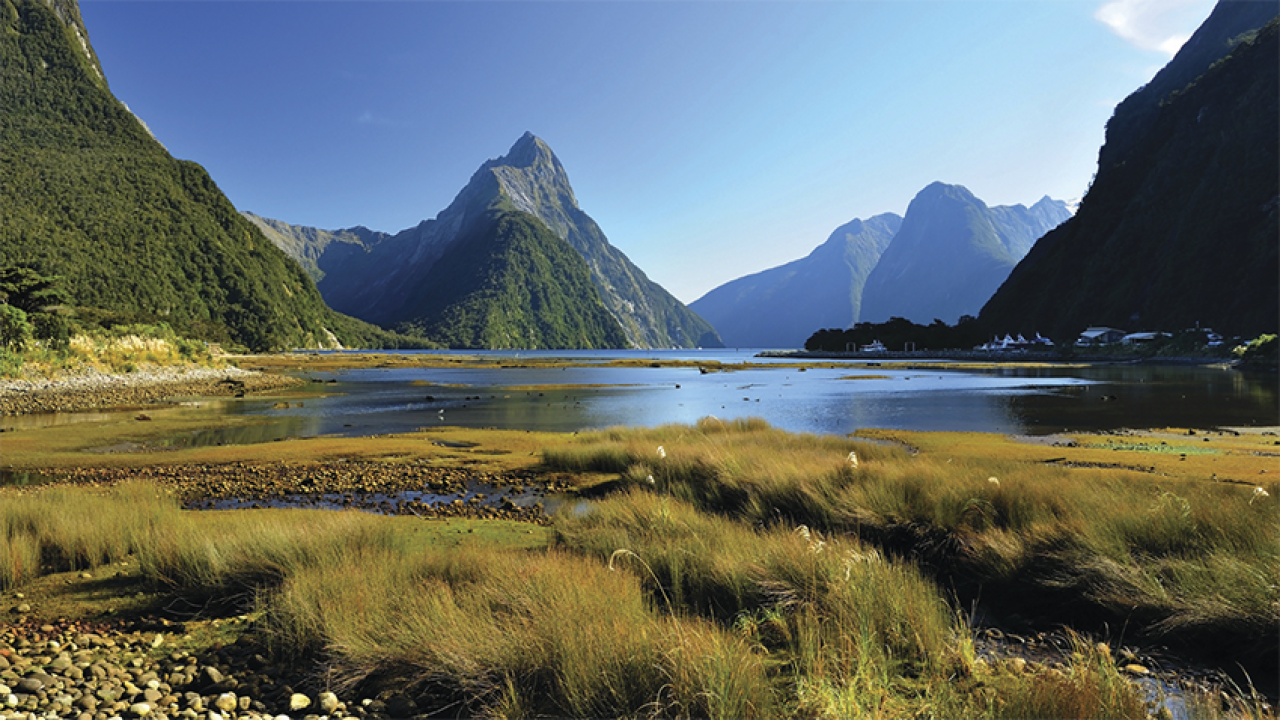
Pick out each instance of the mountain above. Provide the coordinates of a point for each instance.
(307, 245)
(951, 253)
(781, 306)
(1180, 225)
(86, 193)
(382, 278)
(509, 283)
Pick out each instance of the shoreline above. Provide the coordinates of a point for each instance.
(95, 390)
(1013, 357)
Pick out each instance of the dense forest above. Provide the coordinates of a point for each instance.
(86, 194)
(512, 283)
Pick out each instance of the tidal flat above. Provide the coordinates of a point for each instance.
(716, 568)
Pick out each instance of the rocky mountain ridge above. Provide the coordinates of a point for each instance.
(941, 261)
(380, 278)
(951, 254)
(780, 307)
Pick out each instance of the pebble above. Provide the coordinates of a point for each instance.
(100, 671)
(90, 389)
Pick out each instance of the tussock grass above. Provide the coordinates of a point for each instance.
(507, 634)
(261, 552)
(121, 349)
(60, 528)
(829, 609)
(1176, 554)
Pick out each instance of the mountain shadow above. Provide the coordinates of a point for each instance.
(1180, 225)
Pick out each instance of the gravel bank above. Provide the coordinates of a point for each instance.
(96, 671)
(91, 389)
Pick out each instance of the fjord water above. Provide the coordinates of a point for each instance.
(1018, 400)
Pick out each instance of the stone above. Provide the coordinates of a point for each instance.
(1136, 669)
(29, 686)
(140, 709)
(298, 701)
(226, 702)
(210, 675)
(328, 702)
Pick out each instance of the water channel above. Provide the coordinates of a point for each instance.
(1037, 400)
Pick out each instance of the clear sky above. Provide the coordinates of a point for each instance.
(708, 139)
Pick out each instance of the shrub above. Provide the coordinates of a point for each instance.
(15, 330)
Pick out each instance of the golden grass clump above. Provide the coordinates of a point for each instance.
(1175, 553)
(64, 528)
(502, 633)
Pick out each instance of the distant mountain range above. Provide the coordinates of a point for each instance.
(951, 253)
(941, 261)
(87, 194)
(411, 280)
(1182, 223)
(781, 306)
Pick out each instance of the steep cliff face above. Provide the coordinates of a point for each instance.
(780, 307)
(86, 193)
(381, 279)
(1181, 223)
(532, 178)
(951, 254)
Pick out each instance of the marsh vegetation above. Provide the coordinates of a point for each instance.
(723, 569)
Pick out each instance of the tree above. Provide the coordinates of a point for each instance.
(29, 291)
(15, 331)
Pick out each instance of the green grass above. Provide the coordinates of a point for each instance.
(757, 575)
(1175, 554)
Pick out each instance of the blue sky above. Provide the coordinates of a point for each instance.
(708, 139)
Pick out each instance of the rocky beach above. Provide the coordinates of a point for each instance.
(92, 389)
(149, 669)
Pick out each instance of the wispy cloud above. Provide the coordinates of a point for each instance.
(1157, 25)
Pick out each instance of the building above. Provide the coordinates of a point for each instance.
(1099, 336)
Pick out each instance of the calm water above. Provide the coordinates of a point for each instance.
(1034, 401)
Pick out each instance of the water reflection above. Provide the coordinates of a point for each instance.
(1010, 400)
(1024, 400)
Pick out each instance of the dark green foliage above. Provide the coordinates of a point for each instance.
(512, 283)
(15, 330)
(28, 290)
(86, 193)
(1181, 223)
(898, 332)
(30, 305)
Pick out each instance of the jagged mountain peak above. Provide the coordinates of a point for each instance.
(390, 283)
(531, 177)
(937, 190)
